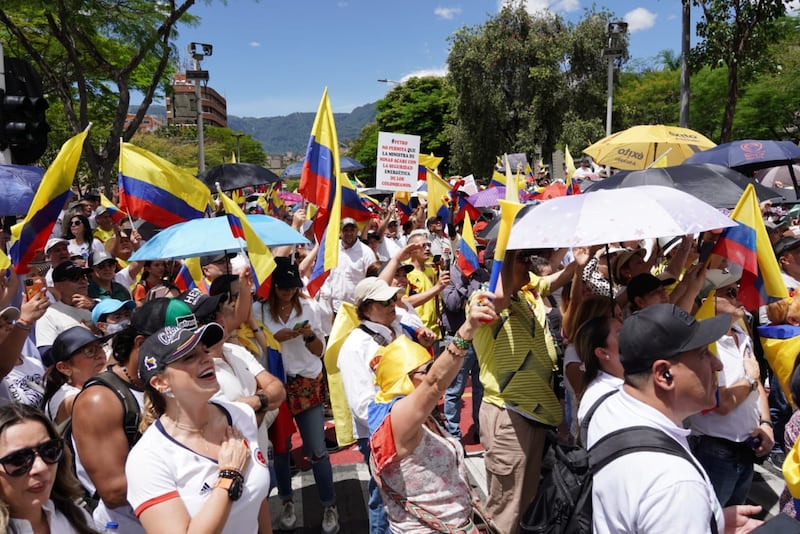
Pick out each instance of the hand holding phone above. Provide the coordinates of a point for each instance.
(300, 324)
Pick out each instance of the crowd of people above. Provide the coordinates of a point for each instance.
(164, 410)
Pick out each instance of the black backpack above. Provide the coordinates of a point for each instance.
(131, 417)
(563, 504)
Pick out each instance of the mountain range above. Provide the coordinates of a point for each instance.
(289, 133)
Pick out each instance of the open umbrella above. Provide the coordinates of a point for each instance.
(717, 185)
(201, 237)
(20, 183)
(295, 170)
(638, 147)
(749, 155)
(236, 176)
(487, 198)
(769, 175)
(612, 216)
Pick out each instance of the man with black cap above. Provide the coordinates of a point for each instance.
(669, 375)
(787, 252)
(354, 259)
(215, 266)
(73, 308)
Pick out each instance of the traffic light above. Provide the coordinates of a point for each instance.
(23, 125)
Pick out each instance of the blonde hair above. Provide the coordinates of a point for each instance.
(784, 311)
(155, 404)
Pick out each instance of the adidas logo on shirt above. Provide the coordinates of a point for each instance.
(206, 488)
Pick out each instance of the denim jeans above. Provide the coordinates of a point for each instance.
(378, 520)
(730, 475)
(779, 411)
(311, 424)
(452, 397)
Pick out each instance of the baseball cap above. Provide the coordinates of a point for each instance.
(403, 267)
(106, 306)
(99, 256)
(101, 210)
(717, 278)
(372, 288)
(170, 344)
(664, 331)
(53, 242)
(202, 305)
(622, 257)
(207, 260)
(286, 274)
(72, 340)
(10, 313)
(432, 220)
(158, 313)
(348, 221)
(785, 245)
(92, 194)
(68, 271)
(642, 284)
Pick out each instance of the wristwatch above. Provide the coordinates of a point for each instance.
(232, 482)
(753, 382)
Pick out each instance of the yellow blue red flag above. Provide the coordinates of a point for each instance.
(153, 189)
(30, 235)
(117, 215)
(467, 249)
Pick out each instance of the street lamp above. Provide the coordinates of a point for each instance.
(237, 136)
(614, 48)
(198, 51)
(384, 80)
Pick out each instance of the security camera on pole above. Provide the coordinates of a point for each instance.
(198, 51)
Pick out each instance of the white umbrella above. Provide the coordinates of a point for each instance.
(769, 176)
(614, 215)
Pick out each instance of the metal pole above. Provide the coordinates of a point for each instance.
(5, 155)
(610, 101)
(201, 153)
(238, 136)
(685, 46)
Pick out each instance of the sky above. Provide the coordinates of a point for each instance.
(275, 57)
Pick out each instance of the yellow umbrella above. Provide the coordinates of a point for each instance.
(638, 147)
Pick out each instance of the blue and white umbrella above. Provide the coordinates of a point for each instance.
(209, 236)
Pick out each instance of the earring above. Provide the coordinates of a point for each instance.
(167, 393)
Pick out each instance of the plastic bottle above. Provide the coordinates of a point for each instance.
(112, 527)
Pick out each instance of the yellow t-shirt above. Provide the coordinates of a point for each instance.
(419, 282)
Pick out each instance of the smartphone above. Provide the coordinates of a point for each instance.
(33, 285)
(300, 324)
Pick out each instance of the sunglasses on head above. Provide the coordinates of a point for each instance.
(19, 463)
(424, 370)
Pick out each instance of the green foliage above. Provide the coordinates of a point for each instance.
(91, 54)
(649, 98)
(364, 149)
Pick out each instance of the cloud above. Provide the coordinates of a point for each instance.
(342, 4)
(254, 44)
(793, 7)
(538, 6)
(434, 71)
(640, 19)
(447, 13)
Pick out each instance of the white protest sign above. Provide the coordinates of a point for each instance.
(398, 162)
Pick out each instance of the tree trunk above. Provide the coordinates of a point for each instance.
(730, 106)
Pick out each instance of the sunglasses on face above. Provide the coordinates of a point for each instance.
(423, 371)
(732, 292)
(387, 303)
(75, 223)
(89, 351)
(20, 462)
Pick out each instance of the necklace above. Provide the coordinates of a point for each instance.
(127, 375)
(187, 428)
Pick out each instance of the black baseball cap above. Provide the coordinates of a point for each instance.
(202, 305)
(69, 271)
(642, 284)
(286, 274)
(72, 340)
(208, 260)
(663, 331)
(170, 344)
(785, 245)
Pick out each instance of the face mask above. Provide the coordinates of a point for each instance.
(113, 328)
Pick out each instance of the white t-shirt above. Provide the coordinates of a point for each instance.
(159, 468)
(297, 359)
(57, 521)
(56, 319)
(66, 390)
(743, 419)
(351, 269)
(602, 384)
(648, 492)
(25, 382)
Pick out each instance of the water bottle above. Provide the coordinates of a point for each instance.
(112, 527)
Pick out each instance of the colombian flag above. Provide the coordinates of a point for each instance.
(321, 183)
(190, 276)
(467, 250)
(260, 256)
(117, 215)
(157, 191)
(54, 190)
(748, 245)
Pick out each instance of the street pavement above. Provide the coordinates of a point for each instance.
(351, 476)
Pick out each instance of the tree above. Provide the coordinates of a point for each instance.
(91, 54)
(736, 33)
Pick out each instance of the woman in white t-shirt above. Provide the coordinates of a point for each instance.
(198, 463)
(81, 240)
(597, 345)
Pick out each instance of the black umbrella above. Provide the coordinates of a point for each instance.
(237, 175)
(714, 184)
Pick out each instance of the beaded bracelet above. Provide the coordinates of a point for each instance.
(232, 474)
(454, 353)
(460, 342)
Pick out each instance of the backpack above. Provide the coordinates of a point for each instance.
(563, 504)
(131, 416)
